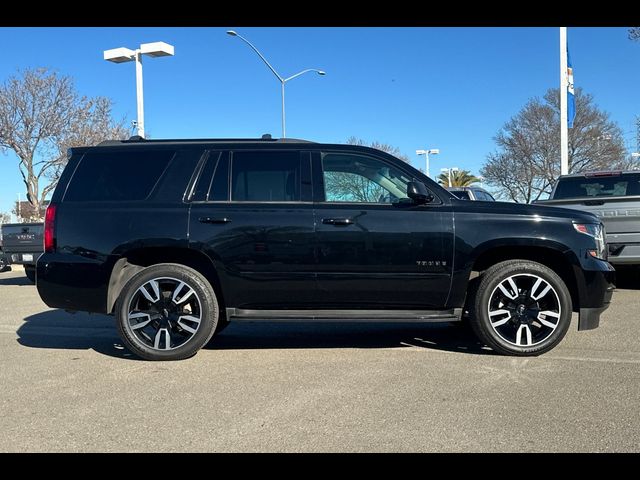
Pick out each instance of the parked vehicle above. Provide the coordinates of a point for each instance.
(176, 238)
(613, 196)
(471, 193)
(5, 263)
(23, 244)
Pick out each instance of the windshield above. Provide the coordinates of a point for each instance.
(601, 186)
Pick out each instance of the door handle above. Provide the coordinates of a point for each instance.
(338, 221)
(214, 220)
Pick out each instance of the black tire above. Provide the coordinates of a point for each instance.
(523, 333)
(204, 303)
(30, 272)
(4, 264)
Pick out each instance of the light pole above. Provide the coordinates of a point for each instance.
(432, 151)
(449, 170)
(122, 55)
(282, 80)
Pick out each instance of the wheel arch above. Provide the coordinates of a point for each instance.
(136, 260)
(559, 259)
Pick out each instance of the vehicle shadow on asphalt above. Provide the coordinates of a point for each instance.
(81, 331)
(61, 330)
(16, 281)
(432, 336)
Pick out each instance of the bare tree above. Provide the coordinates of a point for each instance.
(634, 33)
(41, 115)
(5, 217)
(527, 162)
(459, 178)
(385, 147)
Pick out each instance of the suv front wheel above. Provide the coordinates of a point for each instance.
(521, 308)
(166, 312)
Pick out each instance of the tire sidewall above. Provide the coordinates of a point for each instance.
(209, 311)
(493, 279)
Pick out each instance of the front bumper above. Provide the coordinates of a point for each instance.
(596, 291)
(589, 318)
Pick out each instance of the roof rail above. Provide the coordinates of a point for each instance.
(138, 139)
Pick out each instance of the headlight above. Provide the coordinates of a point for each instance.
(595, 230)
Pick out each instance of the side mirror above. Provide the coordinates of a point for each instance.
(417, 192)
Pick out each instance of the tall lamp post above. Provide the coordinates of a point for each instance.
(432, 151)
(281, 79)
(449, 170)
(122, 55)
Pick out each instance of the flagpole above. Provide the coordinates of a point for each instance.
(564, 128)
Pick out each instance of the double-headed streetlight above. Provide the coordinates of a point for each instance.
(449, 170)
(122, 55)
(432, 151)
(281, 79)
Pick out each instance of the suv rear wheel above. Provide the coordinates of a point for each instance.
(166, 312)
(521, 308)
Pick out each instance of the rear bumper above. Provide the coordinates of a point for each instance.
(73, 282)
(624, 253)
(23, 258)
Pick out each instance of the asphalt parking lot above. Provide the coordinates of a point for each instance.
(68, 385)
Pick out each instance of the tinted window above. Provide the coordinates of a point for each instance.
(219, 190)
(117, 176)
(174, 181)
(462, 194)
(601, 186)
(360, 179)
(265, 176)
(204, 181)
(480, 195)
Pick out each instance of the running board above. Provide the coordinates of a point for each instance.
(238, 314)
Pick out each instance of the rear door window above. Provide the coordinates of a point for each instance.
(265, 176)
(117, 176)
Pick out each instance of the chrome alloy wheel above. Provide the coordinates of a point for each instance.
(524, 310)
(164, 313)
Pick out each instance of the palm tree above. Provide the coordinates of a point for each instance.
(459, 178)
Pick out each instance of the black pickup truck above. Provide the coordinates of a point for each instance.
(23, 244)
(177, 238)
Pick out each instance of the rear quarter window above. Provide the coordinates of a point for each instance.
(117, 176)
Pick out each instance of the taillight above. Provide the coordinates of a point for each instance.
(49, 229)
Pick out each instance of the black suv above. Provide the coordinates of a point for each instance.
(177, 238)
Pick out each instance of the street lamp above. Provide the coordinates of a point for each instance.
(449, 170)
(432, 151)
(122, 55)
(282, 80)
